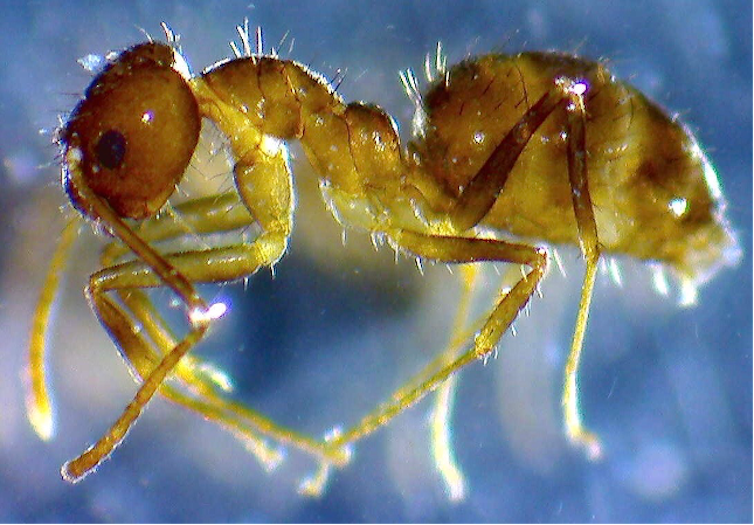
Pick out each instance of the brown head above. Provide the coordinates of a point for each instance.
(132, 136)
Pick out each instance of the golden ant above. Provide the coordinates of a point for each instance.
(543, 146)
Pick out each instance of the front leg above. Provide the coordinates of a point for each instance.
(118, 327)
(264, 183)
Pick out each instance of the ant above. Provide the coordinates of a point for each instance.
(541, 146)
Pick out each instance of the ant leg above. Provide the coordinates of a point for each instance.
(38, 405)
(471, 207)
(189, 220)
(457, 250)
(225, 211)
(195, 389)
(141, 356)
(119, 326)
(440, 424)
(197, 308)
(264, 183)
(79, 467)
(481, 193)
(584, 211)
(207, 399)
(208, 265)
(219, 212)
(198, 312)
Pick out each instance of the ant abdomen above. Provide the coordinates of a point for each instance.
(652, 188)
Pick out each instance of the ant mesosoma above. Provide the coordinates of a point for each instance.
(542, 146)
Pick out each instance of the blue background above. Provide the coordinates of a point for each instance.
(668, 389)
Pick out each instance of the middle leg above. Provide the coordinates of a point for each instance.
(457, 250)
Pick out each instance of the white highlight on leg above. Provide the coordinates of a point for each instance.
(442, 447)
(215, 311)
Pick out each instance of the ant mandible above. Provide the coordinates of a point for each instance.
(538, 145)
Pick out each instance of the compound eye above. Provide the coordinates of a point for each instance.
(131, 138)
(111, 149)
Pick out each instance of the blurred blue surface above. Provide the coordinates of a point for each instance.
(668, 389)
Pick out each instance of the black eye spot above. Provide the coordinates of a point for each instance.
(111, 149)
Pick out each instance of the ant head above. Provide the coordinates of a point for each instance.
(131, 138)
